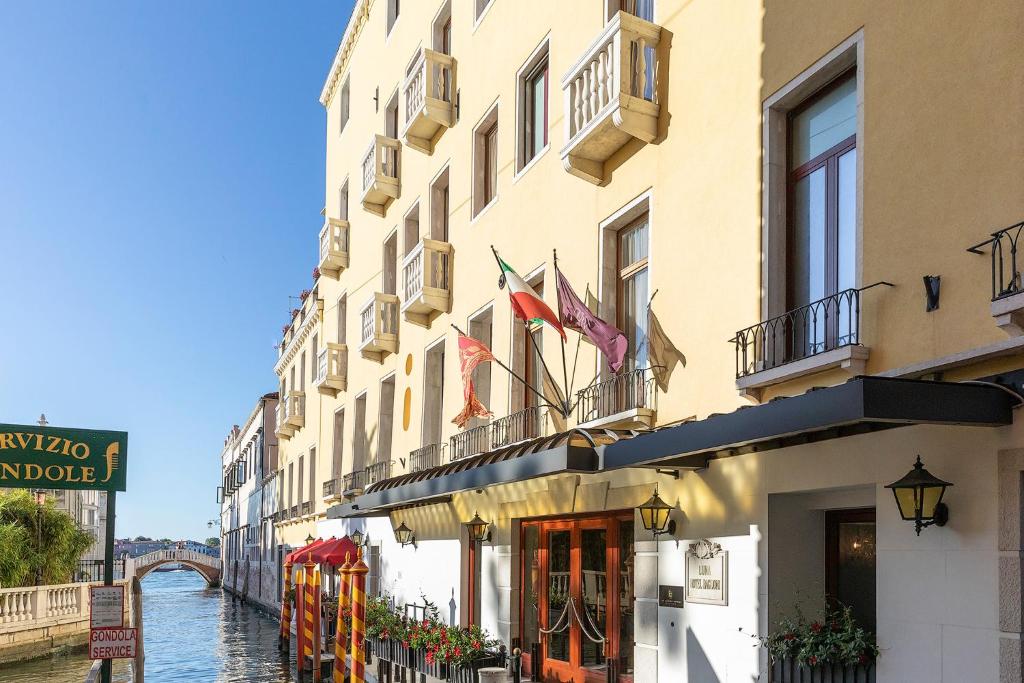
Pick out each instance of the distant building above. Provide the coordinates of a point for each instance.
(249, 546)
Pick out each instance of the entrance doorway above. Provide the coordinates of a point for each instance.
(577, 604)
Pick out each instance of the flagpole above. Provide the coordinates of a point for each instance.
(509, 371)
(565, 369)
(529, 338)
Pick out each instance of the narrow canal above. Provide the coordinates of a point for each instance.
(192, 633)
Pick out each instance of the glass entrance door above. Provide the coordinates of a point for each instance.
(578, 597)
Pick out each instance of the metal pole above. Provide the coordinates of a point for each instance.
(529, 340)
(108, 570)
(565, 367)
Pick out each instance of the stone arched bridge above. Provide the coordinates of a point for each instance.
(206, 565)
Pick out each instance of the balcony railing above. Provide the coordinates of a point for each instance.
(611, 95)
(429, 99)
(307, 508)
(470, 442)
(334, 247)
(425, 281)
(427, 457)
(525, 424)
(1006, 279)
(295, 407)
(294, 512)
(378, 326)
(815, 328)
(332, 369)
(380, 174)
(281, 427)
(371, 474)
(332, 488)
(631, 396)
(353, 481)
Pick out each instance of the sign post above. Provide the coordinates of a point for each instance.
(42, 457)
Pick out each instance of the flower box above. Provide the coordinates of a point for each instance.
(435, 669)
(470, 672)
(788, 670)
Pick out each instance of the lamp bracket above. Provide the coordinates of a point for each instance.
(672, 473)
(704, 549)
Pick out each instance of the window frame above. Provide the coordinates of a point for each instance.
(344, 105)
(539, 62)
(486, 129)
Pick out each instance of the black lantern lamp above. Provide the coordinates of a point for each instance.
(309, 539)
(919, 497)
(357, 537)
(478, 529)
(404, 535)
(654, 514)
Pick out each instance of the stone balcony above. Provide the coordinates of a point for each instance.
(378, 326)
(381, 184)
(426, 281)
(332, 369)
(611, 96)
(429, 99)
(333, 247)
(295, 409)
(281, 427)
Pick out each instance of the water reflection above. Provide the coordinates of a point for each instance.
(192, 633)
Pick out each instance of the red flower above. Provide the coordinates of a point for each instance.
(458, 651)
(862, 659)
(477, 645)
(316, 273)
(789, 636)
(816, 627)
(812, 660)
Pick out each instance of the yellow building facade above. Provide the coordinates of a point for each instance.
(772, 201)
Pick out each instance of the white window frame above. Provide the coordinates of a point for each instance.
(540, 53)
(479, 12)
(491, 117)
(344, 105)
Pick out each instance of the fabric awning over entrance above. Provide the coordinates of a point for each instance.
(573, 451)
(862, 404)
(301, 554)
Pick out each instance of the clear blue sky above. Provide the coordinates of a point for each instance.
(161, 178)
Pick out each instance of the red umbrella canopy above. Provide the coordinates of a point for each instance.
(299, 556)
(333, 552)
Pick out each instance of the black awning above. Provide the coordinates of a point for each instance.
(862, 404)
(575, 451)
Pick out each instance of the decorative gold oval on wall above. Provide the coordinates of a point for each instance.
(408, 365)
(407, 403)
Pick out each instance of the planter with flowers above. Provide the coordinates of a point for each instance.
(384, 629)
(830, 649)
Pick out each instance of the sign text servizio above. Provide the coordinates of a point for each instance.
(58, 458)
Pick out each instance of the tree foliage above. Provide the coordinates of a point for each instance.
(213, 542)
(22, 526)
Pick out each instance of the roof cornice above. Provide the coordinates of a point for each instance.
(360, 13)
(309, 323)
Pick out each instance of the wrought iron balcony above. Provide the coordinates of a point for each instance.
(380, 174)
(816, 328)
(295, 409)
(307, 508)
(427, 457)
(378, 326)
(332, 488)
(611, 95)
(353, 482)
(520, 426)
(429, 99)
(426, 285)
(1007, 289)
(294, 512)
(626, 400)
(333, 247)
(470, 442)
(358, 480)
(332, 369)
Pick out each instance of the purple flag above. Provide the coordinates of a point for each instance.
(575, 315)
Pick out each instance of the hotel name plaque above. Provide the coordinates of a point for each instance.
(707, 573)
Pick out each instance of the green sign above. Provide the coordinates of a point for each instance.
(57, 458)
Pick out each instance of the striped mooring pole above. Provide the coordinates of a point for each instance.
(341, 636)
(311, 618)
(358, 571)
(284, 638)
(300, 611)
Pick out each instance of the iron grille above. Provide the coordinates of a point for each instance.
(1006, 280)
(618, 394)
(469, 442)
(426, 457)
(332, 487)
(525, 424)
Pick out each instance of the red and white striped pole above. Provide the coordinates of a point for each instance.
(300, 611)
(284, 638)
(341, 635)
(310, 636)
(359, 572)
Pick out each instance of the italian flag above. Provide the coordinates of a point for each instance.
(525, 302)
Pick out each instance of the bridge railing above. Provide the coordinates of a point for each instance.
(32, 607)
(143, 563)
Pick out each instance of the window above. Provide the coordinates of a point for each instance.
(412, 229)
(389, 268)
(302, 371)
(644, 9)
(359, 439)
(479, 7)
(291, 484)
(343, 107)
(439, 207)
(343, 201)
(433, 395)
(391, 117)
(342, 319)
(632, 294)
(338, 457)
(480, 327)
(312, 474)
(822, 187)
(392, 17)
(533, 106)
(442, 29)
(485, 161)
(316, 360)
(302, 471)
(386, 422)
(850, 562)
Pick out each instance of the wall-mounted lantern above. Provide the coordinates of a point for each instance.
(478, 529)
(404, 535)
(919, 497)
(357, 537)
(654, 514)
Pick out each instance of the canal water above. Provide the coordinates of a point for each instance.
(192, 633)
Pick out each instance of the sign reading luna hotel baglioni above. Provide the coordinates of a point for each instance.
(59, 458)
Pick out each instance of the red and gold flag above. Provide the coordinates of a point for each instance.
(471, 354)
